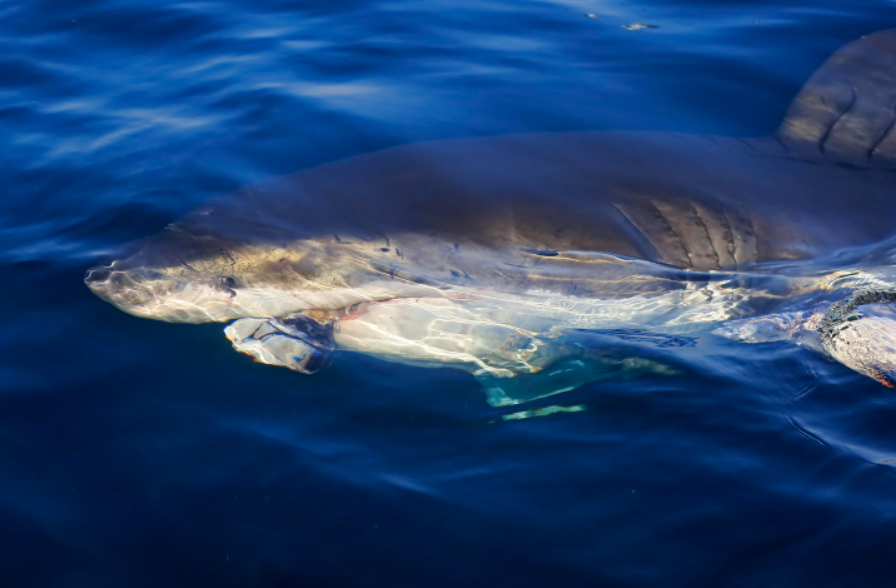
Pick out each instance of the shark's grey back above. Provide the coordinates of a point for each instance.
(689, 201)
(824, 181)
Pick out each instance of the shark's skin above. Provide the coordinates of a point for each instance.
(541, 221)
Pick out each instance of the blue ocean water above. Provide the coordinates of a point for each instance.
(148, 454)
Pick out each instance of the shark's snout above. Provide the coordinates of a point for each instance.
(97, 275)
(190, 297)
(125, 289)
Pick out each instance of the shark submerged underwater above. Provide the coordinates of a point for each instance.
(540, 262)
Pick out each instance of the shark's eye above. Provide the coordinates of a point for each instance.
(228, 282)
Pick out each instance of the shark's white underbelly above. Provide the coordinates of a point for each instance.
(493, 331)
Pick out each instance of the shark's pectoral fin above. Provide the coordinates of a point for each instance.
(846, 111)
(296, 342)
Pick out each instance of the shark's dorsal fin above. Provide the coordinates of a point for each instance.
(846, 111)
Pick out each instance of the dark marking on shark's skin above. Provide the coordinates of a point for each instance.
(692, 233)
(741, 230)
(701, 224)
(720, 235)
(644, 246)
(746, 142)
(885, 134)
(226, 255)
(657, 230)
(839, 117)
(781, 142)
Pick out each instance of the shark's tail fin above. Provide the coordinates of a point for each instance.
(846, 111)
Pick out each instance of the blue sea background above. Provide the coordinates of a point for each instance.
(138, 453)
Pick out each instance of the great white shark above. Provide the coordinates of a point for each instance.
(512, 255)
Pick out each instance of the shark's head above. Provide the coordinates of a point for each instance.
(191, 276)
(164, 293)
(179, 276)
(192, 273)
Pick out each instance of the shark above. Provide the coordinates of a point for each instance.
(538, 262)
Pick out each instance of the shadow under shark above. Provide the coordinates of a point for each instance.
(542, 261)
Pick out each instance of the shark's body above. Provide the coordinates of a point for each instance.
(555, 231)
